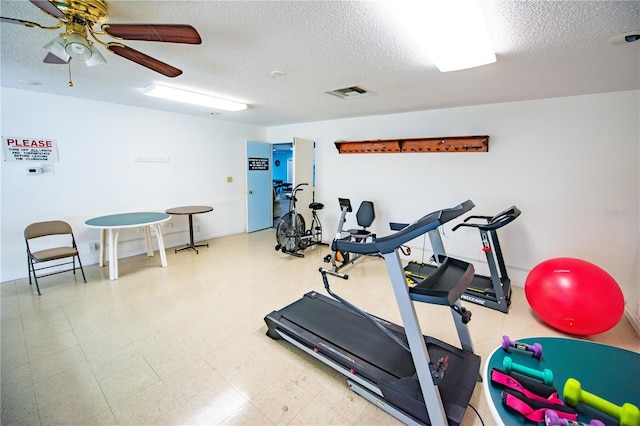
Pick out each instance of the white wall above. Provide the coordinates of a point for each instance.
(570, 164)
(96, 174)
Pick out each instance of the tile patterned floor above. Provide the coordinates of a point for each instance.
(186, 344)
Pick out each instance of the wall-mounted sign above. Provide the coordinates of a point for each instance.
(29, 149)
(258, 163)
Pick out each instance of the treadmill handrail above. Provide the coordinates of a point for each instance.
(493, 222)
(389, 243)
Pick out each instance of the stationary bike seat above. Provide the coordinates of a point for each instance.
(316, 206)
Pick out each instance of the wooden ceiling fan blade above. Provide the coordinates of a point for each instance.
(144, 60)
(167, 33)
(19, 21)
(53, 59)
(48, 7)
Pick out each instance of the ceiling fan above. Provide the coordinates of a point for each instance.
(81, 18)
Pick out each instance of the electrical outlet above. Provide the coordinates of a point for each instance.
(229, 179)
(93, 247)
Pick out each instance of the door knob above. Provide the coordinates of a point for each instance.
(250, 192)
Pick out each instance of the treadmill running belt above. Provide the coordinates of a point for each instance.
(346, 329)
(315, 319)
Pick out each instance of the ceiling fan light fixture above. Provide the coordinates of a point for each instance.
(186, 96)
(453, 33)
(78, 47)
(96, 58)
(56, 47)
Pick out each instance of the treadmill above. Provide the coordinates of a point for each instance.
(492, 291)
(416, 378)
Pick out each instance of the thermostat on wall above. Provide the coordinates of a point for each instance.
(40, 169)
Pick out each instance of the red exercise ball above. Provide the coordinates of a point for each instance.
(574, 296)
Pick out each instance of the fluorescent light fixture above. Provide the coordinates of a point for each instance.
(452, 32)
(186, 96)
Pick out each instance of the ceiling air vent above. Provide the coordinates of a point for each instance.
(350, 92)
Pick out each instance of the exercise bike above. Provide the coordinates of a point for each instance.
(364, 216)
(292, 236)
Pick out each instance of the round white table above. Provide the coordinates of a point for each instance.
(114, 222)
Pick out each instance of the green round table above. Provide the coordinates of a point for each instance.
(111, 225)
(606, 371)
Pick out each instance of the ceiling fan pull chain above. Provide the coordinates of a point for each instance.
(70, 82)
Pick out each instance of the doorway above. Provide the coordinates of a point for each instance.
(282, 177)
(266, 196)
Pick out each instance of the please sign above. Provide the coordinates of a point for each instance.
(29, 149)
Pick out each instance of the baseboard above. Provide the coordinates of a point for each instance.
(137, 246)
(633, 320)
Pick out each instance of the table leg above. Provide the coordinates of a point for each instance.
(113, 254)
(191, 245)
(147, 235)
(191, 230)
(161, 250)
(103, 244)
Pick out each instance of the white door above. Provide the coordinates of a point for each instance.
(303, 159)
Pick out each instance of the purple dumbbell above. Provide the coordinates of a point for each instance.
(535, 349)
(551, 418)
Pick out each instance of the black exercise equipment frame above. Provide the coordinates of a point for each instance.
(406, 384)
(493, 291)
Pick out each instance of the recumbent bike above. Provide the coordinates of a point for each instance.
(364, 217)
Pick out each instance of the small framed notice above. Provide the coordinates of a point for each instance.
(29, 149)
(258, 163)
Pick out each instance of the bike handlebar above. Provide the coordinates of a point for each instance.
(297, 188)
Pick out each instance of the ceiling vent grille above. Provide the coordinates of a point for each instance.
(351, 92)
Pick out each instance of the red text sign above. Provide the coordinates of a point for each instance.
(29, 149)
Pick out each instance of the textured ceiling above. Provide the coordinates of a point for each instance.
(543, 48)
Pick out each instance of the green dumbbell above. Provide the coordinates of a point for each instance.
(628, 414)
(545, 375)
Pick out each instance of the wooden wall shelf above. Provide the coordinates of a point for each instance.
(442, 144)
